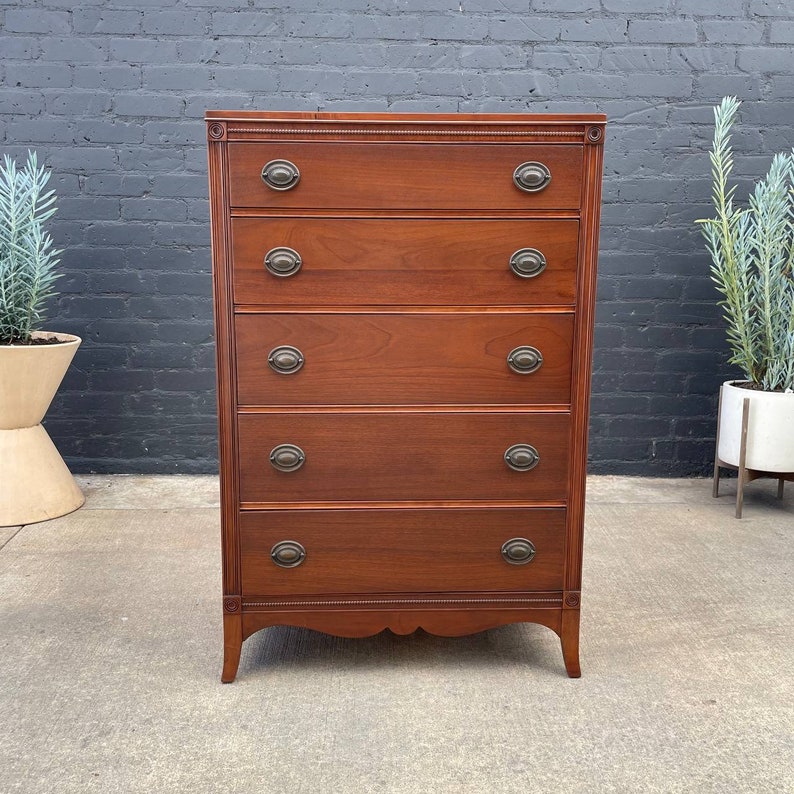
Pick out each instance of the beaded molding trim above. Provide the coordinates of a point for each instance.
(386, 601)
(316, 131)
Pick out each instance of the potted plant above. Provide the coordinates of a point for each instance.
(752, 253)
(34, 482)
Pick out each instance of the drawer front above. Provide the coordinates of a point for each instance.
(444, 262)
(402, 455)
(405, 176)
(388, 551)
(403, 359)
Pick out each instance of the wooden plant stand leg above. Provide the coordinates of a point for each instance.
(569, 639)
(780, 482)
(232, 645)
(715, 489)
(740, 493)
(742, 458)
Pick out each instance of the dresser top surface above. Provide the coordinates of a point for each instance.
(255, 125)
(411, 118)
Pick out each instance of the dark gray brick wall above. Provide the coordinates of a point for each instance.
(112, 93)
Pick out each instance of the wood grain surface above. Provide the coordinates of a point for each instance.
(404, 261)
(397, 176)
(382, 551)
(401, 359)
(392, 455)
(444, 620)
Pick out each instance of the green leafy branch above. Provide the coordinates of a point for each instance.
(752, 254)
(27, 256)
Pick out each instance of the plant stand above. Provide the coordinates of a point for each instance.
(745, 475)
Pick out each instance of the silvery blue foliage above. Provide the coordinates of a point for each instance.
(752, 252)
(27, 256)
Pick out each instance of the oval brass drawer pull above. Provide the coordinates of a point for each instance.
(285, 359)
(280, 175)
(522, 457)
(531, 177)
(528, 262)
(525, 360)
(518, 551)
(288, 554)
(283, 261)
(287, 457)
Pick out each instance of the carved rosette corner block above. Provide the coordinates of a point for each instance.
(216, 131)
(572, 599)
(232, 604)
(594, 134)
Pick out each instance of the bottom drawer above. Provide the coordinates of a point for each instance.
(407, 550)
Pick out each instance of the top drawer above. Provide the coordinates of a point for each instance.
(412, 176)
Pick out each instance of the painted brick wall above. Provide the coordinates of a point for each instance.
(111, 93)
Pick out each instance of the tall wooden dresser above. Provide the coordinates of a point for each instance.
(404, 312)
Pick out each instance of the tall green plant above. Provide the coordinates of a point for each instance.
(27, 257)
(752, 260)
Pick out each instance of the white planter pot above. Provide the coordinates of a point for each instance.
(770, 429)
(35, 483)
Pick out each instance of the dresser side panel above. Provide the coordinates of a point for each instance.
(582, 362)
(220, 227)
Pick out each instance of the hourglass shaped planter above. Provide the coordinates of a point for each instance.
(35, 483)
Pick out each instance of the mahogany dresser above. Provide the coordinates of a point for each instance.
(404, 313)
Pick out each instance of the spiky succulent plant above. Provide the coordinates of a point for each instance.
(27, 256)
(752, 253)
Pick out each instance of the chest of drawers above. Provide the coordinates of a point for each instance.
(404, 312)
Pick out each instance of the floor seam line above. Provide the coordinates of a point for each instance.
(8, 540)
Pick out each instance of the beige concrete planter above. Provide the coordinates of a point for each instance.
(35, 484)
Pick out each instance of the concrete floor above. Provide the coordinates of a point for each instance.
(110, 654)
